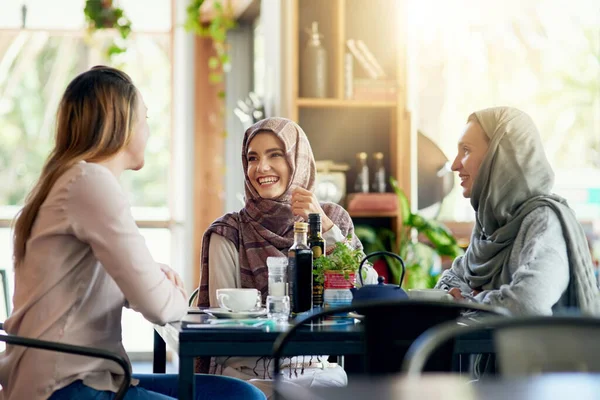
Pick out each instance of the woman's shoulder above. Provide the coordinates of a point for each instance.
(231, 219)
(542, 222)
(86, 179)
(91, 186)
(84, 172)
(334, 209)
(539, 218)
(227, 225)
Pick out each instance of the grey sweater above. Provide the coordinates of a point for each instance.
(538, 265)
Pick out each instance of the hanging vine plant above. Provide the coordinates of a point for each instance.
(102, 14)
(217, 30)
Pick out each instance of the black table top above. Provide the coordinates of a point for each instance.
(337, 337)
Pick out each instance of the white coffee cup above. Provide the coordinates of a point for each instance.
(238, 300)
(429, 294)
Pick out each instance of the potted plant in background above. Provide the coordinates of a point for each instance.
(422, 259)
(220, 24)
(102, 14)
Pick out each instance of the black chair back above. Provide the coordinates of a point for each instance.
(390, 328)
(72, 349)
(524, 345)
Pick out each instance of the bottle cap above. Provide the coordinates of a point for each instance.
(378, 155)
(300, 227)
(314, 217)
(362, 155)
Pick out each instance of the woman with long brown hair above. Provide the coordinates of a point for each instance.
(79, 256)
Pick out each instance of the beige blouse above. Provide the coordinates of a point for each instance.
(85, 260)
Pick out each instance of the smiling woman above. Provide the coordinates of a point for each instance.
(268, 170)
(527, 253)
(279, 169)
(472, 147)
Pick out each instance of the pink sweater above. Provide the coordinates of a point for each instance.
(85, 260)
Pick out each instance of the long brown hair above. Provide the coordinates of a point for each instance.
(93, 123)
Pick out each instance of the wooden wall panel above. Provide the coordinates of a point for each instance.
(208, 149)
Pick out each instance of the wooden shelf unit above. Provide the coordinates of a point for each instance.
(374, 214)
(338, 127)
(342, 103)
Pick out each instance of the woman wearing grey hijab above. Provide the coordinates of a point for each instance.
(527, 253)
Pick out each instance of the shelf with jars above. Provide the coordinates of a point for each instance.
(348, 94)
(343, 103)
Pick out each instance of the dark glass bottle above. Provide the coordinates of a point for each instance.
(300, 258)
(317, 245)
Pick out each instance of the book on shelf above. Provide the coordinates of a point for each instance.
(375, 89)
(365, 59)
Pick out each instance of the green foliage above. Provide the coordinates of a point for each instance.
(442, 241)
(343, 258)
(217, 30)
(101, 14)
(418, 257)
(31, 89)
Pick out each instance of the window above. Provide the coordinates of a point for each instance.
(36, 65)
(542, 56)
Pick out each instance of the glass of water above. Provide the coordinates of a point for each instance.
(278, 308)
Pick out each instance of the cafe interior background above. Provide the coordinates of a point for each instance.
(400, 78)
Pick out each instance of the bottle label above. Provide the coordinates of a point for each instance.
(301, 285)
(317, 251)
(291, 277)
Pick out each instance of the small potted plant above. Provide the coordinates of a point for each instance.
(336, 273)
(338, 269)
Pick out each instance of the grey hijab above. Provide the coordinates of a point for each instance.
(514, 179)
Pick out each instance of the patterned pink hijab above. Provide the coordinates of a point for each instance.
(264, 227)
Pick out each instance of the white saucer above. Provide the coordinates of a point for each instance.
(352, 314)
(225, 313)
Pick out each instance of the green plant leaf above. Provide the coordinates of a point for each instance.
(402, 201)
(100, 15)
(217, 30)
(213, 62)
(343, 258)
(215, 77)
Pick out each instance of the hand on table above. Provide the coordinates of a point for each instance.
(173, 277)
(305, 202)
(457, 294)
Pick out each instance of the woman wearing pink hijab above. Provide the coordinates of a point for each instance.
(279, 169)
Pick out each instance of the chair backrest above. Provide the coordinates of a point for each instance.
(72, 349)
(390, 327)
(524, 345)
(193, 297)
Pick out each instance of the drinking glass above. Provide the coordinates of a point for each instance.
(277, 267)
(278, 308)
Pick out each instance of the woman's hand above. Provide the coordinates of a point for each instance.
(173, 277)
(455, 292)
(305, 202)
